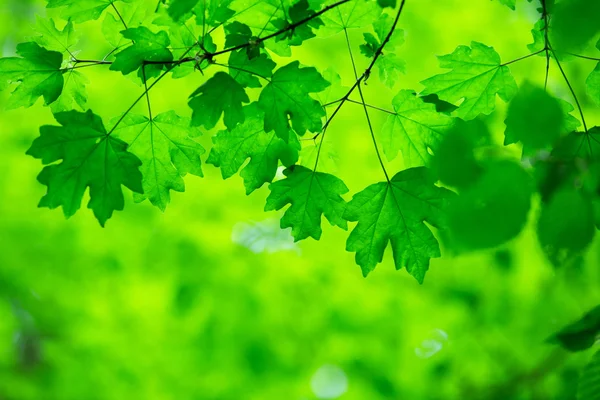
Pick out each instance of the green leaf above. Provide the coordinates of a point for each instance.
(454, 160)
(414, 129)
(133, 15)
(566, 225)
(592, 83)
(246, 71)
(389, 65)
(168, 152)
(38, 74)
(89, 158)
(534, 118)
(581, 334)
(220, 95)
(396, 212)
(297, 13)
(179, 8)
(250, 141)
(509, 3)
(350, 15)
(74, 93)
(311, 195)
(50, 38)
(212, 13)
(493, 209)
(386, 3)
(574, 24)
(335, 91)
(477, 76)
(588, 387)
(288, 96)
(147, 46)
(81, 10)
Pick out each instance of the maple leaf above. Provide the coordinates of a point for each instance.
(413, 129)
(147, 46)
(311, 195)
(38, 73)
(81, 10)
(74, 92)
(221, 94)
(247, 70)
(396, 212)
(250, 141)
(212, 13)
(492, 209)
(350, 15)
(131, 15)
(566, 225)
(288, 95)
(592, 83)
(390, 66)
(168, 152)
(534, 118)
(50, 38)
(477, 76)
(88, 157)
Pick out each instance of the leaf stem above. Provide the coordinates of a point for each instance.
(522, 58)
(562, 71)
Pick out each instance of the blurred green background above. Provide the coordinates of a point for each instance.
(211, 300)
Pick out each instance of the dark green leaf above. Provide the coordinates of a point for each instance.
(396, 212)
(220, 95)
(88, 158)
(311, 194)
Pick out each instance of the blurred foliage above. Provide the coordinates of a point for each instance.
(211, 301)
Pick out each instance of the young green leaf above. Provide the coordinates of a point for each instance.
(212, 13)
(311, 194)
(220, 95)
(250, 141)
(50, 38)
(477, 76)
(297, 13)
(131, 15)
(413, 129)
(350, 15)
(74, 93)
(147, 46)
(38, 73)
(89, 158)
(168, 152)
(81, 10)
(396, 212)
(288, 96)
(581, 334)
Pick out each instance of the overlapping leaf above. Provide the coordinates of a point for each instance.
(221, 94)
(250, 141)
(168, 152)
(286, 100)
(476, 77)
(413, 129)
(147, 46)
(37, 72)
